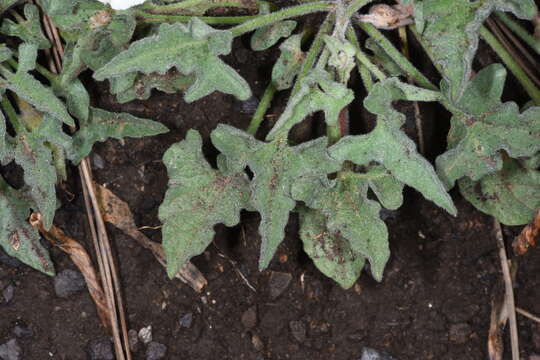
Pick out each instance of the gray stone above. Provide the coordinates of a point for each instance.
(372, 354)
(186, 320)
(100, 349)
(8, 293)
(21, 330)
(10, 350)
(155, 351)
(145, 334)
(68, 282)
(298, 330)
(278, 282)
(133, 340)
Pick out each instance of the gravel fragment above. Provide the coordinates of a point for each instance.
(186, 320)
(155, 351)
(10, 350)
(133, 340)
(257, 343)
(298, 330)
(279, 281)
(372, 354)
(8, 293)
(100, 349)
(249, 318)
(68, 282)
(145, 334)
(459, 333)
(21, 330)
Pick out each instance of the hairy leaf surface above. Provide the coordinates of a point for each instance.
(330, 251)
(29, 31)
(512, 195)
(349, 213)
(193, 49)
(267, 36)
(390, 147)
(18, 238)
(485, 128)
(198, 198)
(276, 166)
(450, 31)
(289, 63)
(102, 125)
(317, 93)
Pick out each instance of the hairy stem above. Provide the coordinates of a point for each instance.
(264, 104)
(148, 18)
(362, 59)
(396, 55)
(268, 19)
(9, 110)
(187, 5)
(313, 53)
(521, 32)
(511, 64)
(354, 6)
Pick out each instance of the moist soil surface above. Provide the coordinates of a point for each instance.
(433, 303)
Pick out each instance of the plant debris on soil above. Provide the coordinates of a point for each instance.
(434, 301)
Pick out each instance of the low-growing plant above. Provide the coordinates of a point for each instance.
(337, 183)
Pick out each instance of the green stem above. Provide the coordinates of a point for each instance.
(511, 64)
(12, 116)
(189, 4)
(523, 34)
(397, 56)
(264, 104)
(147, 18)
(268, 19)
(313, 53)
(362, 59)
(355, 6)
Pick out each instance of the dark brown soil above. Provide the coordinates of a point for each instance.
(434, 301)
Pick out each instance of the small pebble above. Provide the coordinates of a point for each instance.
(68, 282)
(248, 106)
(278, 282)
(372, 354)
(186, 320)
(249, 318)
(10, 350)
(298, 330)
(97, 161)
(257, 343)
(21, 330)
(8, 293)
(155, 351)
(133, 340)
(145, 334)
(100, 349)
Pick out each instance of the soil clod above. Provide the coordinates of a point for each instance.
(10, 350)
(155, 351)
(249, 318)
(279, 281)
(459, 333)
(100, 349)
(21, 330)
(298, 330)
(68, 282)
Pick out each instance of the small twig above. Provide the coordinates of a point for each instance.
(509, 290)
(528, 314)
(235, 267)
(527, 238)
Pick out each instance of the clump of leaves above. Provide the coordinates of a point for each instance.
(339, 182)
(46, 120)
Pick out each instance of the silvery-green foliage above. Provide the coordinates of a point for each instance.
(289, 62)
(192, 48)
(485, 127)
(512, 194)
(28, 31)
(388, 145)
(450, 30)
(198, 198)
(276, 166)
